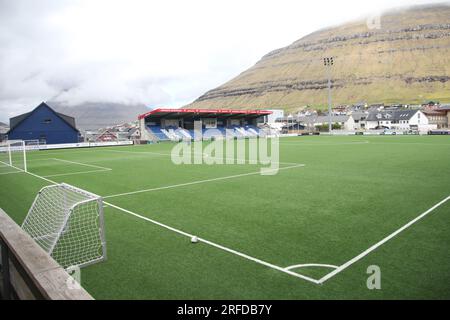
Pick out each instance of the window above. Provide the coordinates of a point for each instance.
(47, 121)
(209, 123)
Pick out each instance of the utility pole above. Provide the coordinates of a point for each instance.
(328, 63)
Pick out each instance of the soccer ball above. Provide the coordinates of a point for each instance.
(194, 239)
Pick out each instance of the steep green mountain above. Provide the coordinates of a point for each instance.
(405, 60)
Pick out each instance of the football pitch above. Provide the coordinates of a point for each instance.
(338, 205)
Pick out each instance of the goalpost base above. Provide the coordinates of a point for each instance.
(13, 156)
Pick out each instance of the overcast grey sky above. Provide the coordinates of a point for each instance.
(159, 53)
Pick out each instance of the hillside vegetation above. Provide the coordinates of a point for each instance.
(406, 60)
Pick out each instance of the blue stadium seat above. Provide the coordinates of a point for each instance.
(156, 131)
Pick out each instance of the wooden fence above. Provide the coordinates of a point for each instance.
(27, 272)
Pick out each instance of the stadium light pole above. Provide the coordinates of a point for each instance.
(292, 122)
(328, 63)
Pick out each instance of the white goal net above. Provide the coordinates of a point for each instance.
(32, 145)
(67, 222)
(13, 156)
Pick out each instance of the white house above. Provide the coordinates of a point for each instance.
(346, 122)
(398, 120)
(134, 134)
(358, 121)
(276, 114)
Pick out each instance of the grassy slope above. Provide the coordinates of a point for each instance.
(349, 196)
(384, 64)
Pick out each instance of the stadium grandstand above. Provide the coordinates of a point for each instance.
(178, 124)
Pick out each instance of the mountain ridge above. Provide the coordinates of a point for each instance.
(406, 60)
(95, 115)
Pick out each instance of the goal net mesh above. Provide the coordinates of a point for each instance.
(12, 156)
(67, 222)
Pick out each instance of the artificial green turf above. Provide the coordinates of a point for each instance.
(351, 193)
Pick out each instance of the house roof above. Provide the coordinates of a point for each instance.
(15, 121)
(434, 112)
(394, 115)
(307, 119)
(334, 118)
(322, 119)
(132, 131)
(4, 128)
(358, 115)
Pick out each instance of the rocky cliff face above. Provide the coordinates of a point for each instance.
(405, 60)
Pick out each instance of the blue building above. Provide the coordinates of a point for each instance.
(44, 124)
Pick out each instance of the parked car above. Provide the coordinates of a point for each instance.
(389, 132)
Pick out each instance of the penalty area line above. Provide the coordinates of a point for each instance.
(197, 182)
(82, 164)
(75, 173)
(243, 255)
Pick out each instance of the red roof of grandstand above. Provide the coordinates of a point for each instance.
(181, 112)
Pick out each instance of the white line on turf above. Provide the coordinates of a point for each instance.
(326, 144)
(75, 173)
(412, 143)
(196, 182)
(82, 164)
(320, 281)
(305, 265)
(267, 264)
(243, 255)
(194, 153)
(40, 177)
(137, 152)
(18, 171)
(376, 245)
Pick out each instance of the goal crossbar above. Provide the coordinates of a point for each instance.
(67, 222)
(13, 153)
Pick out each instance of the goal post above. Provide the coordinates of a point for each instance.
(13, 155)
(34, 144)
(67, 222)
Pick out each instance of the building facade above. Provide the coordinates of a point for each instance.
(398, 120)
(439, 118)
(44, 124)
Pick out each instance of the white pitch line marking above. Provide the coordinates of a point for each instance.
(75, 173)
(137, 152)
(412, 143)
(19, 170)
(194, 153)
(243, 255)
(82, 164)
(305, 265)
(376, 245)
(320, 281)
(326, 144)
(196, 182)
(267, 264)
(3, 173)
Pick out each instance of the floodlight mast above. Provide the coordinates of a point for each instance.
(328, 62)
